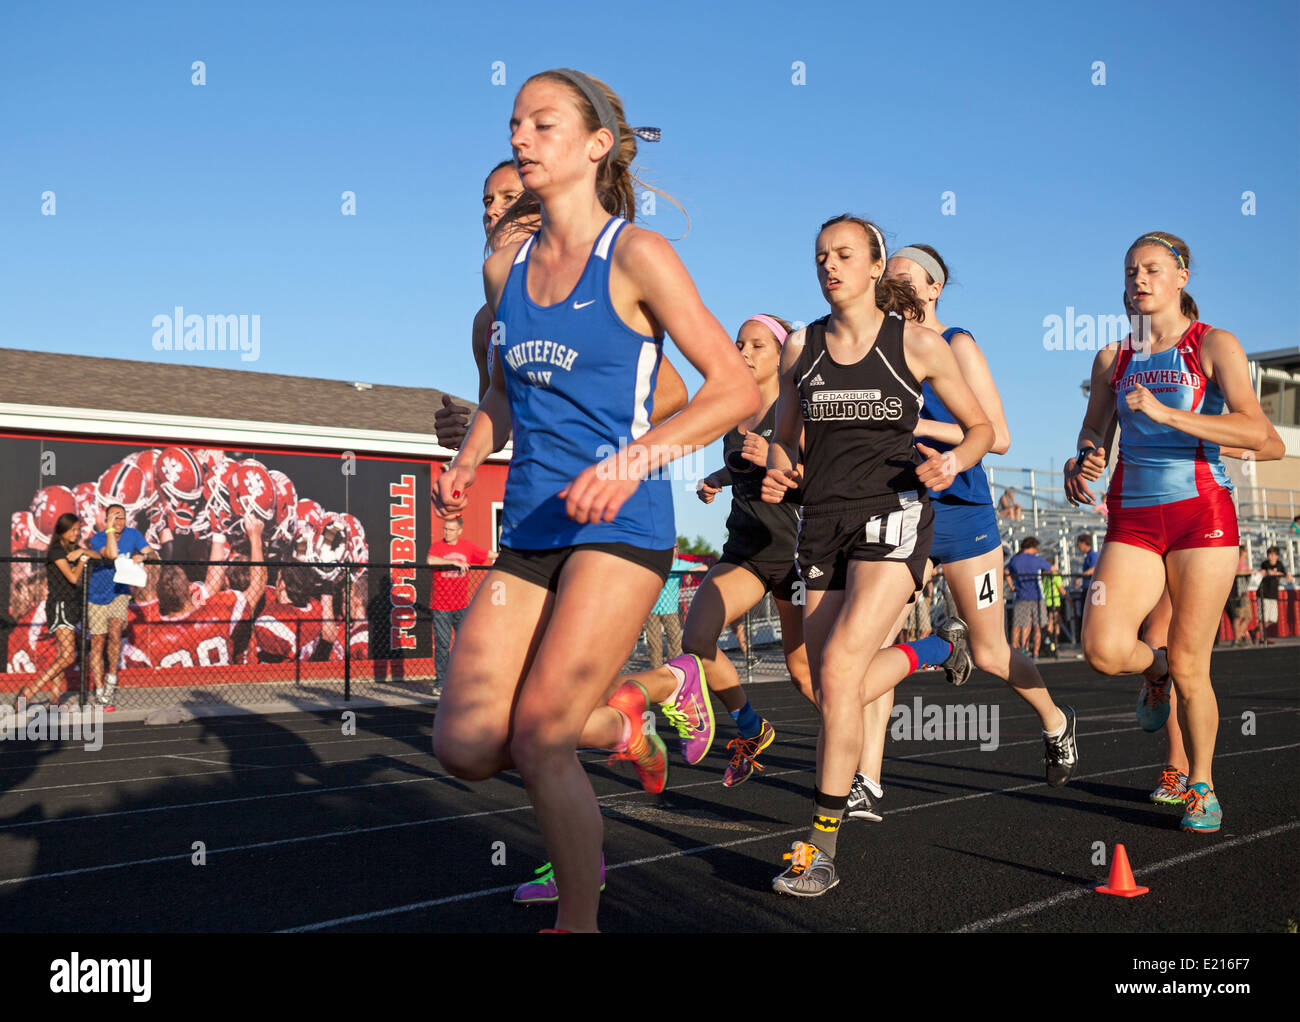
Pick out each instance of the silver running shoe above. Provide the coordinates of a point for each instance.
(959, 665)
(811, 873)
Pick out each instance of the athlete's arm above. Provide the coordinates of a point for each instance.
(1225, 363)
(783, 470)
(482, 327)
(1099, 424)
(1273, 450)
(257, 573)
(670, 394)
(450, 420)
(711, 485)
(650, 288)
(975, 369)
(1101, 400)
(490, 428)
(927, 352)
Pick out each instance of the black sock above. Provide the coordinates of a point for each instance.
(828, 813)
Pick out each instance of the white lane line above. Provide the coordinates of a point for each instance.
(368, 737)
(329, 834)
(219, 762)
(218, 802)
(487, 892)
(1078, 892)
(113, 781)
(96, 761)
(323, 791)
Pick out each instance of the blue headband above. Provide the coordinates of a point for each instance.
(1177, 255)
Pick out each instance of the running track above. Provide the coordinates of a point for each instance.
(308, 829)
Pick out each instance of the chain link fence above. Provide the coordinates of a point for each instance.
(246, 633)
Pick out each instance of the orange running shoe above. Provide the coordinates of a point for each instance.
(744, 758)
(645, 748)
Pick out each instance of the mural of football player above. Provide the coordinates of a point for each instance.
(171, 631)
(295, 625)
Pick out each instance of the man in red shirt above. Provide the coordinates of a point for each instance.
(451, 588)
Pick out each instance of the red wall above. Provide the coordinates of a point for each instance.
(489, 486)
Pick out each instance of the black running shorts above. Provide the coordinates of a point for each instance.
(61, 614)
(778, 577)
(899, 527)
(543, 567)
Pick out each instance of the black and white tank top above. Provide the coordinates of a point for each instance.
(858, 419)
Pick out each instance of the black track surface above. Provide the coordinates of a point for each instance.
(304, 827)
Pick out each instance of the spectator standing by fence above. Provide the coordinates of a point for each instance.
(64, 564)
(1053, 602)
(1079, 587)
(1028, 612)
(666, 615)
(1274, 572)
(109, 600)
(1239, 602)
(451, 588)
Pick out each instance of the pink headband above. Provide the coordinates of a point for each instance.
(778, 331)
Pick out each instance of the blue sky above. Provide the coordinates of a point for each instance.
(225, 198)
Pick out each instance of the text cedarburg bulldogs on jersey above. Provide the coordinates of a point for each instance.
(857, 405)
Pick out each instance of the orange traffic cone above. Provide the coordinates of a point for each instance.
(1121, 877)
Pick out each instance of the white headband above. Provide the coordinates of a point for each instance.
(883, 254)
(924, 260)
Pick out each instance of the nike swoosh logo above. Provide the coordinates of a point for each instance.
(584, 304)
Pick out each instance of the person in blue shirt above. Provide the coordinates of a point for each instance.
(1028, 614)
(1083, 544)
(108, 600)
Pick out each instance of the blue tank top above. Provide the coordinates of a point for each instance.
(580, 384)
(972, 485)
(1160, 464)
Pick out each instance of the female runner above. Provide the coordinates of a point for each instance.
(583, 306)
(854, 377)
(1171, 789)
(967, 543)
(1171, 515)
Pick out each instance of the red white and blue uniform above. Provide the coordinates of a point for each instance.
(1170, 490)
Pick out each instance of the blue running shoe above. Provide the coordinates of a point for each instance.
(1202, 814)
(1153, 701)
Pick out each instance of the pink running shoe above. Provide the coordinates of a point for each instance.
(692, 711)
